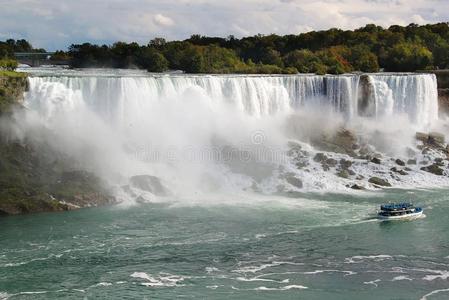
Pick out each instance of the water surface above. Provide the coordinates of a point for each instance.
(325, 248)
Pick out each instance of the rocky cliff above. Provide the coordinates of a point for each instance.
(34, 177)
(12, 87)
(443, 90)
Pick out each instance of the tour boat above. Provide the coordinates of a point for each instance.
(398, 211)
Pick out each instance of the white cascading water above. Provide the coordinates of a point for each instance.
(415, 96)
(176, 127)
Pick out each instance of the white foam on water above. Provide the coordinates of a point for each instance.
(346, 273)
(443, 275)
(264, 288)
(210, 270)
(373, 282)
(161, 280)
(4, 295)
(402, 277)
(102, 284)
(283, 288)
(21, 263)
(258, 268)
(362, 258)
(425, 297)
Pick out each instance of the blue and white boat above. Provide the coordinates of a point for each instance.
(399, 211)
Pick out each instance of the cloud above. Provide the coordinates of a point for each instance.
(55, 24)
(162, 20)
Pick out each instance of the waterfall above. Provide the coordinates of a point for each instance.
(413, 95)
(200, 133)
(120, 97)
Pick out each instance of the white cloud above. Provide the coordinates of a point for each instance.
(56, 24)
(163, 20)
(418, 19)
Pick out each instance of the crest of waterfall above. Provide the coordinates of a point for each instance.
(123, 98)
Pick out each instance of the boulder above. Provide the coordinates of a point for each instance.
(357, 187)
(343, 141)
(436, 138)
(331, 162)
(379, 181)
(421, 136)
(400, 162)
(439, 161)
(296, 182)
(302, 164)
(319, 157)
(434, 169)
(411, 162)
(148, 183)
(345, 164)
(376, 160)
(343, 174)
(399, 171)
(325, 167)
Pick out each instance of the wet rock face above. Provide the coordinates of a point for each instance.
(366, 94)
(443, 101)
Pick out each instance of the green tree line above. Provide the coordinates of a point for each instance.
(334, 51)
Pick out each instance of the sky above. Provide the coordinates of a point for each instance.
(55, 24)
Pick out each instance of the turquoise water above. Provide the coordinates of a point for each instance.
(324, 247)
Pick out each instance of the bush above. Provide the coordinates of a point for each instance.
(8, 64)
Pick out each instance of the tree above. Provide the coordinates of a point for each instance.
(220, 60)
(152, 60)
(441, 56)
(362, 59)
(192, 60)
(305, 61)
(270, 56)
(408, 57)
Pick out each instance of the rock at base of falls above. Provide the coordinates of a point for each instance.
(379, 181)
(149, 183)
(434, 169)
(343, 141)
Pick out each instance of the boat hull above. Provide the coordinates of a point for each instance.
(402, 217)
